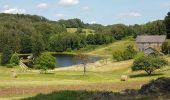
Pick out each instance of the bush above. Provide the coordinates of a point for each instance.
(14, 59)
(166, 47)
(128, 53)
(149, 64)
(45, 61)
(139, 54)
(118, 55)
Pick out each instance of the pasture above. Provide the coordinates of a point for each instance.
(100, 76)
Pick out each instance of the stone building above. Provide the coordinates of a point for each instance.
(148, 42)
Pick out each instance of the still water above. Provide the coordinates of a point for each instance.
(65, 60)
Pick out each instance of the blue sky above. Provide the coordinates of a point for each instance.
(92, 11)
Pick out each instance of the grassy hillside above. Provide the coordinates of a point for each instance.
(107, 50)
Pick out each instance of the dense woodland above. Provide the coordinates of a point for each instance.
(33, 34)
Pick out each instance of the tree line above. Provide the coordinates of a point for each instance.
(33, 34)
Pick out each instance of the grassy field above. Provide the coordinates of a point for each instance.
(86, 31)
(107, 50)
(100, 76)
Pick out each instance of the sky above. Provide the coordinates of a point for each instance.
(104, 12)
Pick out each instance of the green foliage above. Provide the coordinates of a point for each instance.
(79, 30)
(18, 31)
(63, 42)
(72, 23)
(14, 59)
(91, 39)
(26, 44)
(128, 53)
(149, 64)
(6, 55)
(151, 28)
(118, 55)
(10, 65)
(166, 47)
(99, 39)
(0, 60)
(119, 31)
(38, 45)
(139, 55)
(45, 61)
(167, 24)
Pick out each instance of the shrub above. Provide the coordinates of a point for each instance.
(166, 47)
(14, 59)
(149, 64)
(128, 53)
(45, 61)
(139, 54)
(118, 55)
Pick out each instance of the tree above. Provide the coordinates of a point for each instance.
(38, 45)
(6, 55)
(90, 39)
(26, 44)
(167, 23)
(14, 59)
(149, 64)
(84, 60)
(45, 61)
(166, 47)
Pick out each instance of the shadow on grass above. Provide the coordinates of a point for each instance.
(84, 95)
(63, 95)
(144, 75)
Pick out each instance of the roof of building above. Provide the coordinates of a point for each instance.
(149, 50)
(150, 38)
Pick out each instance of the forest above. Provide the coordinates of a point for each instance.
(34, 34)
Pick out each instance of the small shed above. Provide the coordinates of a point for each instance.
(150, 51)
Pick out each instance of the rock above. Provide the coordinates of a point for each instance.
(124, 78)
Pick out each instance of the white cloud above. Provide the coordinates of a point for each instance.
(14, 11)
(93, 22)
(85, 8)
(68, 2)
(42, 6)
(130, 15)
(60, 15)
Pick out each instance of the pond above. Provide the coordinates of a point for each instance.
(65, 60)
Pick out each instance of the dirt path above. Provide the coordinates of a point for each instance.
(10, 91)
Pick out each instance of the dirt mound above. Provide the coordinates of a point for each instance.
(158, 86)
